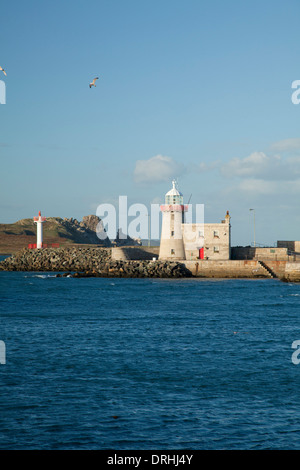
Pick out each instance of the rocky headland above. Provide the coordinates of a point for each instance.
(90, 262)
(64, 232)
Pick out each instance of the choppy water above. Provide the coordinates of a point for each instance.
(148, 364)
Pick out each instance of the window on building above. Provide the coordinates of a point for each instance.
(172, 233)
(201, 233)
(172, 252)
(216, 249)
(216, 233)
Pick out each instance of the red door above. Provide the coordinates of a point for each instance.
(201, 253)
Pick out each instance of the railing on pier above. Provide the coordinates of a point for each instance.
(32, 246)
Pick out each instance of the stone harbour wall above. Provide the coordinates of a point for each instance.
(292, 272)
(227, 269)
(98, 262)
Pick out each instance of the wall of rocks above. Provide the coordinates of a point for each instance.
(139, 269)
(57, 259)
(82, 262)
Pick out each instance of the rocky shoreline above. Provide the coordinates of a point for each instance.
(90, 262)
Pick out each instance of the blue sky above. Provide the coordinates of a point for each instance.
(192, 89)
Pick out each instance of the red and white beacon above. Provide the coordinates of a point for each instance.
(39, 230)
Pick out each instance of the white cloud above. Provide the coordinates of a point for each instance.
(156, 169)
(257, 186)
(287, 145)
(253, 165)
(260, 174)
(258, 165)
(262, 187)
(203, 167)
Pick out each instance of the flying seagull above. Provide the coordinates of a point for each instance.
(93, 82)
(1, 68)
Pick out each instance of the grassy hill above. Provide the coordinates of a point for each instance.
(14, 237)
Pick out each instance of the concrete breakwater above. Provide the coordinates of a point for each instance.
(229, 269)
(93, 262)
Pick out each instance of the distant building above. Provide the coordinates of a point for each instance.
(292, 246)
(183, 241)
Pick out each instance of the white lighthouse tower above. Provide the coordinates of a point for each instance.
(171, 240)
(39, 229)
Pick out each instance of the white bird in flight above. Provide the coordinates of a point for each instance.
(1, 68)
(93, 82)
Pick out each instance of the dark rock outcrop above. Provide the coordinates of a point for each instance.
(90, 230)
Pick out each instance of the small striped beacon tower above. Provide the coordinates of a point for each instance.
(171, 240)
(39, 230)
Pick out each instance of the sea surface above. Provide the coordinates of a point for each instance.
(145, 364)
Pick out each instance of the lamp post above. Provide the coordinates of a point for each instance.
(253, 224)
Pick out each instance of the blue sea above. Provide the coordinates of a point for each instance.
(145, 364)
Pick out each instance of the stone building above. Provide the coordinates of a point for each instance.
(188, 241)
(211, 241)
